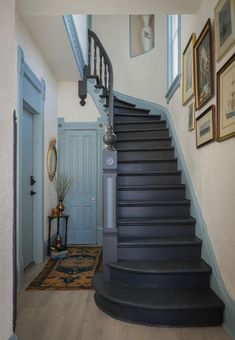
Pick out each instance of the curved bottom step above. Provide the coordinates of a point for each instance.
(172, 307)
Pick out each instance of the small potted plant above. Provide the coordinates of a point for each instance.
(62, 184)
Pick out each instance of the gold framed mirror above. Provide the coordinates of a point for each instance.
(52, 159)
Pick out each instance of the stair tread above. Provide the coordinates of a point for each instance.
(154, 221)
(142, 129)
(158, 299)
(159, 241)
(160, 148)
(162, 267)
(141, 122)
(122, 114)
(153, 203)
(151, 173)
(126, 139)
(152, 160)
(151, 187)
(131, 108)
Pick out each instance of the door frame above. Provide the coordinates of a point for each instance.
(31, 95)
(97, 126)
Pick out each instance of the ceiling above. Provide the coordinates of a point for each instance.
(43, 18)
(60, 7)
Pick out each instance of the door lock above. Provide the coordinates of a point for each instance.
(32, 192)
(32, 180)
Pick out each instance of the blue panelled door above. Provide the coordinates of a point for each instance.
(27, 198)
(80, 162)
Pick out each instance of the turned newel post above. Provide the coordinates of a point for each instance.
(109, 201)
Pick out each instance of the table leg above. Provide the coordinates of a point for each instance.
(66, 228)
(49, 239)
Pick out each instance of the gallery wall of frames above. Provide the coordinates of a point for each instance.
(217, 122)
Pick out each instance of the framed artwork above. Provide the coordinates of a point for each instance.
(226, 100)
(191, 117)
(205, 127)
(141, 34)
(224, 27)
(203, 67)
(188, 71)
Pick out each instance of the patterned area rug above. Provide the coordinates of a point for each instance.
(73, 272)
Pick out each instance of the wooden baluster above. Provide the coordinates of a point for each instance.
(95, 59)
(89, 55)
(101, 69)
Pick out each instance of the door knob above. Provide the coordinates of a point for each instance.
(32, 192)
(93, 199)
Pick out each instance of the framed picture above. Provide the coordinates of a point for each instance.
(205, 127)
(141, 34)
(203, 67)
(188, 71)
(226, 100)
(191, 117)
(224, 27)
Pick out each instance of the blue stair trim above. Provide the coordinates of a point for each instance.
(75, 43)
(208, 255)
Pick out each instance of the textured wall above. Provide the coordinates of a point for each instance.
(69, 106)
(143, 76)
(7, 104)
(37, 63)
(212, 166)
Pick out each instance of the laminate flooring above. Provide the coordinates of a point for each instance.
(73, 315)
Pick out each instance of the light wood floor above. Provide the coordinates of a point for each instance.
(73, 315)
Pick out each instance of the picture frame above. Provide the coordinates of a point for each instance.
(224, 27)
(188, 70)
(226, 100)
(205, 127)
(191, 117)
(203, 57)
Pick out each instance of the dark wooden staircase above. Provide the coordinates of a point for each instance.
(159, 277)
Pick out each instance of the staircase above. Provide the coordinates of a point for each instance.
(159, 277)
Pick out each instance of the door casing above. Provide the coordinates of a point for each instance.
(31, 95)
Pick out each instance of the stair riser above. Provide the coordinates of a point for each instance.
(158, 195)
(153, 211)
(160, 253)
(143, 144)
(145, 134)
(129, 110)
(145, 155)
(142, 180)
(156, 231)
(164, 281)
(176, 317)
(146, 167)
(121, 102)
(124, 119)
(133, 125)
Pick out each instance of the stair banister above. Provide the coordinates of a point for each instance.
(98, 58)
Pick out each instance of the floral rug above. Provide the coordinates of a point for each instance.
(73, 272)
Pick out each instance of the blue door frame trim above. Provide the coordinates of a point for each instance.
(208, 254)
(75, 43)
(98, 126)
(31, 95)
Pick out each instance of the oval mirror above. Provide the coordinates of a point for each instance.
(52, 159)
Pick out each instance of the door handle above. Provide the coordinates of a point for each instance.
(32, 192)
(32, 180)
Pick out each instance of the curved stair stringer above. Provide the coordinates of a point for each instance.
(217, 282)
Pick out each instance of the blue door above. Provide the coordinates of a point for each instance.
(80, 162)
(27, 198)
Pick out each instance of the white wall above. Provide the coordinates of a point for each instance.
(7, 104)
(212, 166)
(37, 63)
(142, 76)
(69, 106)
